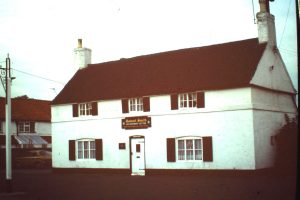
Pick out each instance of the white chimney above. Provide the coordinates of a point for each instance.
(266, 24)
(83, 56)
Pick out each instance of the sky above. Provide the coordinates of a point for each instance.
(40, 35)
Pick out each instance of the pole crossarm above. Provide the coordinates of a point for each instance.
(2, 77)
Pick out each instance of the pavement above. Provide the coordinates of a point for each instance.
(44, 184)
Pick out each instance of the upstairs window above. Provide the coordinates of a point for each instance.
(188, 100)
(26, 127)
(85, 109)
(136, 104)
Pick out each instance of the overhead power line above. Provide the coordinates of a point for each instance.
(287, 16)
(37, 76)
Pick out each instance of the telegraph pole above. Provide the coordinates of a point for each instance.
(7, 87)
(8, 80)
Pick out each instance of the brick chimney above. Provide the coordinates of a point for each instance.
(82, 56)
(266, 23)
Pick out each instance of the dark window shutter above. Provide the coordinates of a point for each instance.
(146, 104)
(125, 105)
(32, 127)
(171, 150)
(207, 149)
(72, 153)
(174, 101)
(94, 108)
(75, 110)
(99, 149)
(200, 100)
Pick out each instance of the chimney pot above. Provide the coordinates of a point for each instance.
(79, 43)
(264, 5)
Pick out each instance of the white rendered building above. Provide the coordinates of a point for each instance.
(212, 107)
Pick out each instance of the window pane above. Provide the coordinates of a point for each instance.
(181, 155)
(180, 144)
(86, 145)
(132, 104)
(81, 109)
(189, 144)
(79, 146)
(80, 154)
(92, 145)
(190, 103)
(26, 127)
(189, 155)
(198, 144)
(198, 154)
(140, 104)
(86, 154)
(92, 154)
(86, 149)
(89, 109)
(21, 127)
(194, 100)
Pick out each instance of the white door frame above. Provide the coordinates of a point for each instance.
(137, 155)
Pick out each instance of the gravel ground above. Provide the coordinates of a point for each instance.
(44, 184)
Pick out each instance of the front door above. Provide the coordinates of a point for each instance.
(137, 156)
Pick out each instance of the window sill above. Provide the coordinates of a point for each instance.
(189, 161)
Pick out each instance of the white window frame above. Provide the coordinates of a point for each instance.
(24, 127)
(85, 109)
(86, 149)
(189, 154)
(135, 105)
(187, 100)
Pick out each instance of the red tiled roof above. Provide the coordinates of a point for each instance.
(27, 110)
(221, 66)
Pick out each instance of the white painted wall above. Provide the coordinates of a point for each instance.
(276, 77)
(240, 122)
(227, 117)
(270, 108)
(43, 128)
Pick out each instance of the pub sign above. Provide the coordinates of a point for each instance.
(136, 122)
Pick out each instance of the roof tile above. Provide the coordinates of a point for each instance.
(227, 65)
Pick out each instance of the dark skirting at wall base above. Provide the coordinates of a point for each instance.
(174, 172)
(91, 170)
(213, 172)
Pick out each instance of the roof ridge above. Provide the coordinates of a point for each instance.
(167, 52)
